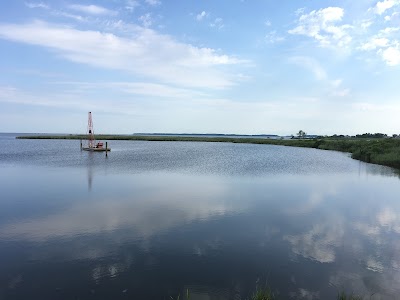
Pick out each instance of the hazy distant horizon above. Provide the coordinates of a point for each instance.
(177, 134)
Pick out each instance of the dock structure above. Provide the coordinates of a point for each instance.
(96, 149)
(92, 146)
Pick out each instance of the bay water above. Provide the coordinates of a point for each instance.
(154, 220)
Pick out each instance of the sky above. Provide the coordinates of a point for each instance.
(226, 66)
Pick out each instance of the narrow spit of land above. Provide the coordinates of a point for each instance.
(381, 151)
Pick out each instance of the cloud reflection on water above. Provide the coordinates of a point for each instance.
(128, 225)
(155, 211)
(319, 243)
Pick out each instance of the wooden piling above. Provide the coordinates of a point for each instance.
(81, 144)
(106, 149)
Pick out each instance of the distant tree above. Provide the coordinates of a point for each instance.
(301, 134)
(380, 135)
(395, 135)
(372, 135)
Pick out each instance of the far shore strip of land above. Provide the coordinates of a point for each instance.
(381, 151)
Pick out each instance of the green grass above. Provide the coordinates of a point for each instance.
(183, 298)
(263, 294)
(343, 296)
(260, 294)
(382, 151)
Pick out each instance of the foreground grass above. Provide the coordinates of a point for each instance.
(266, 294)
(381, 151)
(343, 296)
(263, 294)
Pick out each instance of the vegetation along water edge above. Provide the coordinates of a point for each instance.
(381, 151)
(266, 294)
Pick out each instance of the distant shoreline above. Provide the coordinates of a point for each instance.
(381, 151)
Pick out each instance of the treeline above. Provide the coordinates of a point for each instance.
(372, 135)
(364, 136)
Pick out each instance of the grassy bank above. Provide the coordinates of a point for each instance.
(381, 151)
(267, 294)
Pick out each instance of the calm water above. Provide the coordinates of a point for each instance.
(156, 218)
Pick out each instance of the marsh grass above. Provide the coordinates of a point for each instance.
(263, 294)
(182, 298)
(343, 296)
(259, 294)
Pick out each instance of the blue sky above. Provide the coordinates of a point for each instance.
(228, 66)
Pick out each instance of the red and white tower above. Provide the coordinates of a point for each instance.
(91, 139)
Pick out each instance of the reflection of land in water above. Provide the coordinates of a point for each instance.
(364, 168)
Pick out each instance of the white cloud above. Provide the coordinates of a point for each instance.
(385, 44)
(131, 5)
(389, 219)
(92, 9)
(367, 229)
(152, 89)
(391, 55)
(389, 30)
(137, 88)
(16, 96)
(7, 91)
(202, 15)
(336, 83)
(268, 23)
(375, 43)
(365, 24)
(338, 90)
(383, 6)
(311, 65)
(273, 37)
(145, 52)
(320, 25)
(68, 15)
(374, 265)
(146, 20)
(300, 11)
(153, 2)
(327, 28)
(217, 23)
(333, 87)
(37, 5)
(341, 92)
(123, 213)
(319, 243)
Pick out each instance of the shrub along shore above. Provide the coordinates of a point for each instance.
(381, 151)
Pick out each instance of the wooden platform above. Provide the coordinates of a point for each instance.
(96, 149)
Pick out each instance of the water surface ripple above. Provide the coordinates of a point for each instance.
(157, 218)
